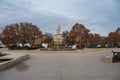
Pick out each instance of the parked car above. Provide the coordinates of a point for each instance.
(71, 47)
(33, 46)
(2, 46)
(27, 46)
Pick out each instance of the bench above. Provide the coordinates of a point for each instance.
(116, 56)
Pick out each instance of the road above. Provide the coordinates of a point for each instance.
(88, 66)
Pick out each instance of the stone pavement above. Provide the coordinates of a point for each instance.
(89, 66)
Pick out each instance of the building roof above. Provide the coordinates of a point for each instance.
(118, 29)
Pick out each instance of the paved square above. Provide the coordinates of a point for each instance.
(60, 66)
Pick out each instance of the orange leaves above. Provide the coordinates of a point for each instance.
(20, 33)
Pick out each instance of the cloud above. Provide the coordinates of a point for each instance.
(98, 16)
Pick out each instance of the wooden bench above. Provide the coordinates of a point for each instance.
(116, 56)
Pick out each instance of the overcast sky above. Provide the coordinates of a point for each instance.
(100, 16)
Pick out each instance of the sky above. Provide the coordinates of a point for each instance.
(99, 16)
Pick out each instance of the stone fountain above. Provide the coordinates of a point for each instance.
(58, 39)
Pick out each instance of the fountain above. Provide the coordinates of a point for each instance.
(58, 39)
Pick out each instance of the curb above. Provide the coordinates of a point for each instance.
(10, 63)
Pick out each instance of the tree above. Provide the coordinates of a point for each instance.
(114, 38)
(67, 37)
(20, 33)
(79, 34)
(94, 40)
(47, 38)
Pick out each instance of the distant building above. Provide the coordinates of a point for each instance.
(118, 30)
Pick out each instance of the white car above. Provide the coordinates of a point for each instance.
(27, 45)
(2, 46)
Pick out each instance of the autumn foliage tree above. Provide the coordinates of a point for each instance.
(94, 40)
(47, 38)
(20, 33)
(78, 35)
(81, 36)
(67, 37)
(114, 38)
